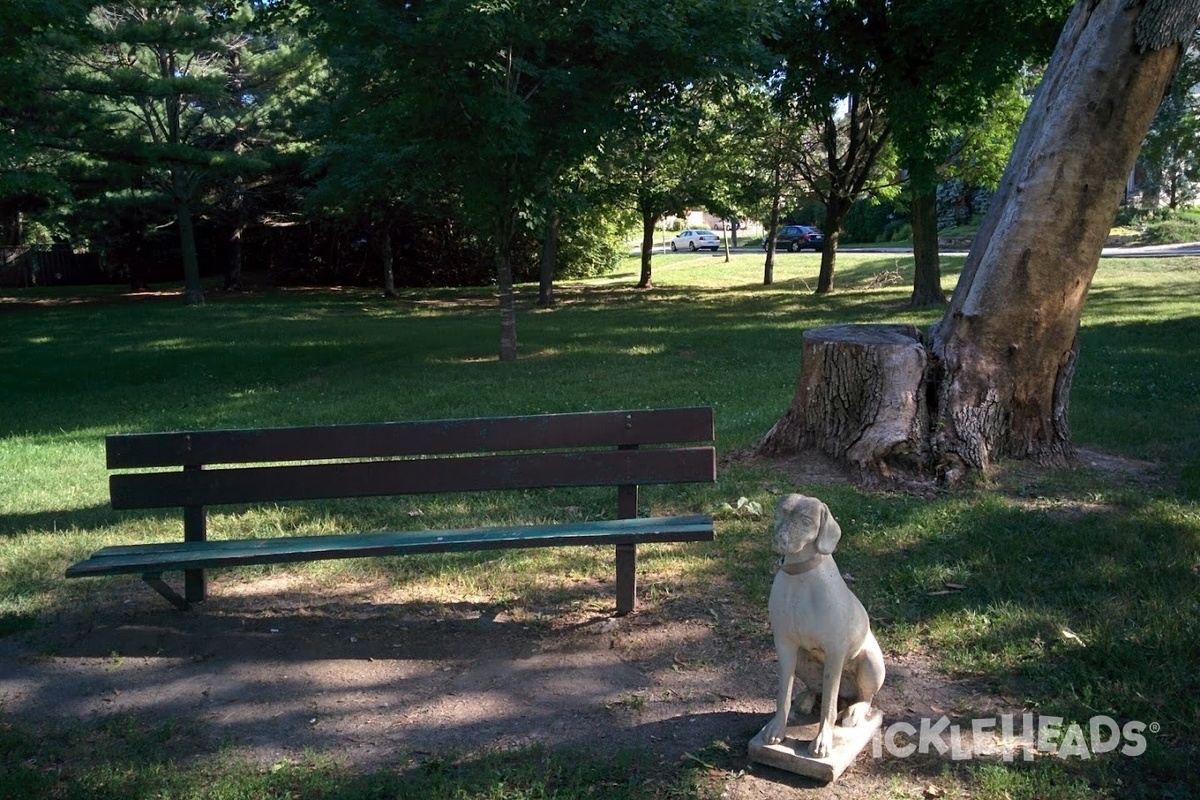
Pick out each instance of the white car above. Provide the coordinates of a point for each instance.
(696, 240)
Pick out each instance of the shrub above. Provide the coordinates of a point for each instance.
(867, 221)
(592, 248)
(1172, 231)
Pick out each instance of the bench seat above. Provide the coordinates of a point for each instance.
(168, 556)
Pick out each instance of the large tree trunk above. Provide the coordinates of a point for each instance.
(836, 208)
(1003, 357)
(193, 291)
(1007, 344)
(927, 272)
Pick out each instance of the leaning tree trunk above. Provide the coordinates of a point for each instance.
(1006, 347)
(1003, 356)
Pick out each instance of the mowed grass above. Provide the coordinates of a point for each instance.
(1081, 586)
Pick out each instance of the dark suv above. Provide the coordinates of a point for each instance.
(798, 237)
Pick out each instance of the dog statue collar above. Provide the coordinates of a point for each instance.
(800, 567)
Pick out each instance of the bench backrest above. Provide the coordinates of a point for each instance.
(611, 448)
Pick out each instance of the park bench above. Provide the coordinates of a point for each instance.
(621, 449)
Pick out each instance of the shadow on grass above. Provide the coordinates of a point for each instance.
(132, 699)
(65, 520)
(156, 761)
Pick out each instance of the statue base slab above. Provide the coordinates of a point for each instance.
(792, 753)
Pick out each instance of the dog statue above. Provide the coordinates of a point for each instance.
(822, 633)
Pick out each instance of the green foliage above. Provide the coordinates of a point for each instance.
(867, 221)
(1172, 231)
(807, 214)
(1171, 152)
(982, 145)
(896, 231)
(591, 245)
(164, 99)
(972, 53)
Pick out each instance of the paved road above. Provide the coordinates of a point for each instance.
(1138, 251)
(1141, 251)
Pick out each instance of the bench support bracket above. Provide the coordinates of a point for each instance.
(155, 581)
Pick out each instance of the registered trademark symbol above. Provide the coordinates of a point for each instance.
(1155, 727)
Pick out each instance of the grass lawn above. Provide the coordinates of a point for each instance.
(1082, 587)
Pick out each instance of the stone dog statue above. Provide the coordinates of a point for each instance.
(822, 633)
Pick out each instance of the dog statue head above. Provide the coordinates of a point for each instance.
(804, 522)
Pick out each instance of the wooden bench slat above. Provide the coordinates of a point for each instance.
(124, 559)
(415, 476)
(393, 439)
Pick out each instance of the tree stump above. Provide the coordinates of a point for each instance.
(861, 399)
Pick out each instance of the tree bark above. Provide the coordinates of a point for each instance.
(648, 221)
(389, 262)
(549, 258)
(15, 230)
(193, 290)
(927, 272)
(233, 264)
(1006, 347)
(860, 399)
(504, 283)
(772, 229)
(836, 207)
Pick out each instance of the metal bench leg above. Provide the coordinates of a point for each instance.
(626, 578)
(154, 579)
(195, 529)
(627, 508)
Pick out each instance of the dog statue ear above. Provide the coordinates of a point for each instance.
(829, 532)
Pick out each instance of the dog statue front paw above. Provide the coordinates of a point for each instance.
(775, 730)
(822, 746)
